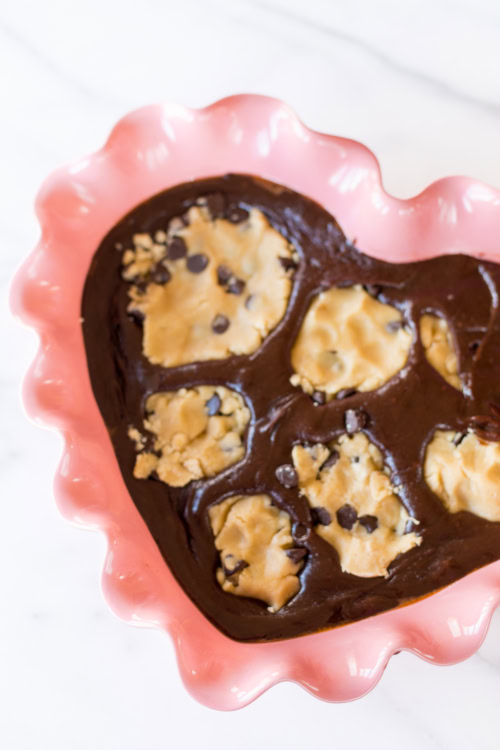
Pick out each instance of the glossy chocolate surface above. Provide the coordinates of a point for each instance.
(402, 415)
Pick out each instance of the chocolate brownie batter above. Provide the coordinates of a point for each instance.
(400, 418)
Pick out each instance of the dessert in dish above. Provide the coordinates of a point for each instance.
(310, 434)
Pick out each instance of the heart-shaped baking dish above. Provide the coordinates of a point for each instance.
(148, 151)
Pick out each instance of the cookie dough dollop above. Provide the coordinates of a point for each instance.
(198, 432)
(256, 549)
(438, 345)
(348, 340)
(464, 472)
(353, 504)
(209, 286)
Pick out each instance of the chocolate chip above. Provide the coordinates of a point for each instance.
(393, 326)
(223, 274)
(141, 284)
(237, 215)
(346, 284)
(346, 392)
(321, 516)
(160, 274)
(355, 420)
(220, 324)
(197, 263)
(474, 346)
(319, 397)
(216, 204)
(373, 289)
(486, 428)
(176, 248)
(213, 405)
(300, 531)
(137, 316)
(331, 460)
(347, 516)
(236, 286)
(370, 523)
(296, 554)
(287, 263)
(287, 476)
(240, 565)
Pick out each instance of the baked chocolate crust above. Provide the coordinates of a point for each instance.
(401, 415)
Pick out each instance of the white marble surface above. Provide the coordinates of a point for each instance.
(417, 81)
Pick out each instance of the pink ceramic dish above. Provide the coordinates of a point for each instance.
(148, 151)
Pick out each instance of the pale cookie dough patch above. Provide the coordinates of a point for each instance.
(253, 537)
(349, 340)
(198, 433)
(354, 504)
(464, 473)
(439, 349)
(208, 289)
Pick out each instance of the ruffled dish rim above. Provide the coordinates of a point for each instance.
(147, 151)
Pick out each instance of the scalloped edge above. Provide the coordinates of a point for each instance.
(147, 151)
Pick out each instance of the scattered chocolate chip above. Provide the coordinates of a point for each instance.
(237, 215)
(321, 516)
(287, 476)
(393, 326)
(176, 248)
(235, 287)
(287, 263)
(355, 459)
(486, 428)
(240, 565)
(216, 205)
(319, 397)
(213, 405)
(296, 554)
(197, 263)
(355, 420)
(137, 316)
(346, 392)
(220, 324)
(370, 523)
(347, 516)
(223, 274)
(373, 289)
(300, 532)
(331, 460)
(160, 274)
(474, 346)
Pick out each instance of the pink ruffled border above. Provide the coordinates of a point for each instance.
(147, 151)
